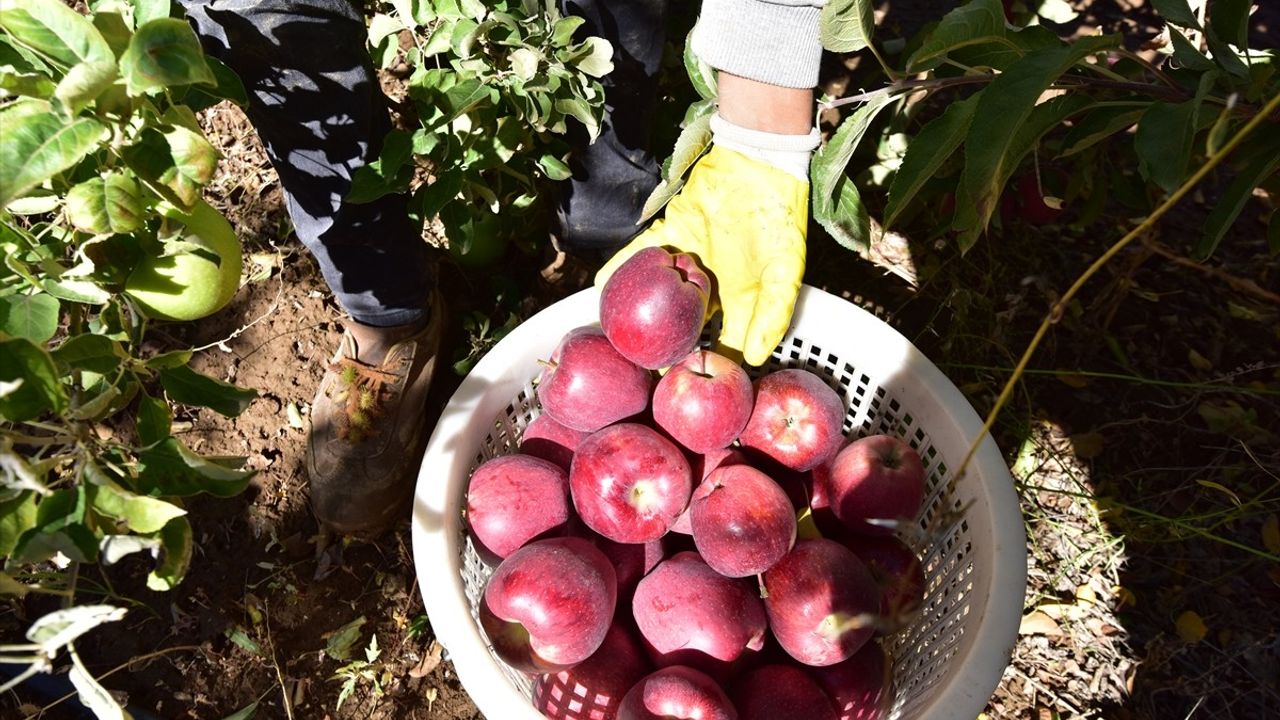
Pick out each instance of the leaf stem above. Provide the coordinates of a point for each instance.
(893, 74)
(1059, 308)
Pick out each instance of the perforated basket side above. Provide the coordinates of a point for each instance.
(946, 664)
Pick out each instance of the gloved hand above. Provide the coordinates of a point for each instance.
(743, 214)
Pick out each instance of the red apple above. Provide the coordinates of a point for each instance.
(861, 688)
(654, 305)
(549, 440)
(897, 572)
(822, 602)
(797, 419)
(629, 483)
(549, 605)
(588, 385)
(780, 692)
(875, 483)
(704, 401)
(513, 499)
(676, 693)
(689, 614)
(702, 466)
(631, 562)
(594, 688)
(742, 522)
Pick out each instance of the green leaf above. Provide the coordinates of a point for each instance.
(189, 387)
(83, 84)
(344, 639)
(990, 150)
(701, 75)
(524, 63)
(139, 513)
(59, 527)
(35, 145)
(598, 62)
(171, 468)
(1177, 12)
(1188, 55)
(1264, 158)
(154, 420)
(94, 353)
(54, 30)
(80, 291)
(554, 167)
(163, 53)
(34, 317)
(1226, 58)
(1164, 142)
(390, 173)
(226, 86)
(433, 197)
(928, 151)
(55, 630)
(28, 84)
(692, 143)
(248, 712)
(578, 108)
(832, 192)
(144, 11)
(1098, 126)
(240, 638)
(562, 32)
(846, 25)
(844, 216)
(106, 204)
(37, 390)
(979, 25)
(167, 360)
(1230, 20)
(176, 546)
(114, 29)
(175, 164)
(17, 515)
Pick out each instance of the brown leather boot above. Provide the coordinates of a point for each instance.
(367, 421)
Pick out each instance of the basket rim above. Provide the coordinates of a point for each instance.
(437, 521)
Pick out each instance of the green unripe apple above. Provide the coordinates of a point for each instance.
(189, 285)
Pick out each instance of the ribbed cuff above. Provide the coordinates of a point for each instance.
(767, 42)
(788, 153)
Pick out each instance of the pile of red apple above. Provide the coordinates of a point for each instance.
(699, 547)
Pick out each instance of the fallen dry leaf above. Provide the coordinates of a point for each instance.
(430, 661)
(1088, 445)
(1271, 534)
(1191, 627)
(1038, 623)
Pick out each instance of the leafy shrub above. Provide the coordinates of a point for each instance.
(494, 86)
(99, 146)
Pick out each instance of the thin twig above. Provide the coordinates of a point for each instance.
(113, 671)
(1244, 285)
(1059, 308)
(1151, 67)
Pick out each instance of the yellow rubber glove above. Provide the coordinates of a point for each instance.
(745, 222)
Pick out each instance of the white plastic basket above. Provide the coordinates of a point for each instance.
(945, 665)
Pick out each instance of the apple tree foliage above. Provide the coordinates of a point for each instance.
(975, 101)
(495, 86)
(97, 130)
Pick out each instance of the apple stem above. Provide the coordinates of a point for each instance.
(548, 363)
(764, 592)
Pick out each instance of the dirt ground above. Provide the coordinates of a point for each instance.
(1145, 442)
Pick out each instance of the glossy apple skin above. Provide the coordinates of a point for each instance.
(797, 419)
(704, 401)
(875, 478)
(780, 692)
(653, 307)
(588, 385)
(822, 603)
(677, 693)
(594, 688)
(514, 499)
(549, 440)
(629, 483)
(631, 562)
(689, 614)
(860, 688)
(897, 572)
(742, 521)
(549, 605)
(702, 466)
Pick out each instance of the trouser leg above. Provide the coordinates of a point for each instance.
(598, 208)
(315, 102)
